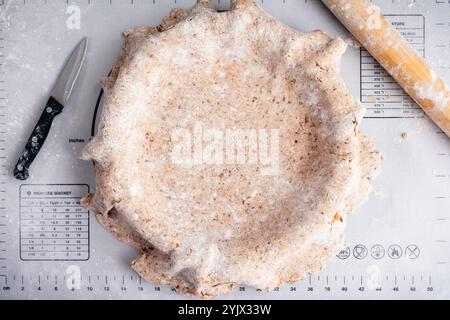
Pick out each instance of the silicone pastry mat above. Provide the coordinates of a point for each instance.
(397, 245)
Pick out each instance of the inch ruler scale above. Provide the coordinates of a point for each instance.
(3, 166)
(397, 246)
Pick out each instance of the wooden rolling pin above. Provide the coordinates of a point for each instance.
(394, 53)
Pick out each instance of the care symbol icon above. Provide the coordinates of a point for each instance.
(395, 251)
(360, 251)
(377, 251)
(344, 253)
(412, 251)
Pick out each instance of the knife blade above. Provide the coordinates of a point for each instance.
(59, 97)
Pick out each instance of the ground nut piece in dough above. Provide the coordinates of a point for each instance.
(205, 228)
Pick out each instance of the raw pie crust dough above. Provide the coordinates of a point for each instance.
(205, 229)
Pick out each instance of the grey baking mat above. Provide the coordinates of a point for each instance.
(397, 244)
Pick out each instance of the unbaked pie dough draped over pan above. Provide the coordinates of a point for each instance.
(204, 228)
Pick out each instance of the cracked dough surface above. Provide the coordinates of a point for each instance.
(206, 228)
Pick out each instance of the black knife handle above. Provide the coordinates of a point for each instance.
(37, 138)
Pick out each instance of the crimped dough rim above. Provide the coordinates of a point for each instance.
(300, 236)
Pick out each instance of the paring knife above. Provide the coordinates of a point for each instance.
(59, 97)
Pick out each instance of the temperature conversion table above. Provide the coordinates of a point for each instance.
(53, 225)
(383, 97)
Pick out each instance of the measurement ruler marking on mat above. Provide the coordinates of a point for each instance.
(131, 283)
(3, 168)
(130, 2)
